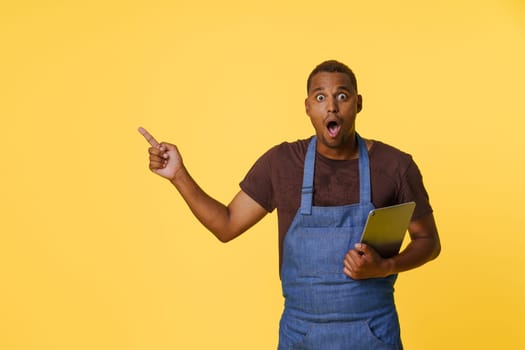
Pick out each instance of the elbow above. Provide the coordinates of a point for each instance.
(223, 232)
(436, 251)
(226, 236)
(223, 239)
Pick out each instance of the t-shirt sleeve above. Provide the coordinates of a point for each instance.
(258, 181)
(413, 189)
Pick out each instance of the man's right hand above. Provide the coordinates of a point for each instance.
(164, 158)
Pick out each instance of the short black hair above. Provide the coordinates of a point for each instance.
(332, 66)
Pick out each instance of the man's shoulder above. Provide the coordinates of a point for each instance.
(381, 147)
(387, 156)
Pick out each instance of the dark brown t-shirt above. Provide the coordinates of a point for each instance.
(275, 181)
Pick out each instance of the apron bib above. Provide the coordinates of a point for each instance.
(324, 308)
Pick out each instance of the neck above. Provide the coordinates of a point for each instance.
(345, 150)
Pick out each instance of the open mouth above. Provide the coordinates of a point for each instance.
(333, 128)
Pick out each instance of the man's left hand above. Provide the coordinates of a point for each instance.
(364, 262)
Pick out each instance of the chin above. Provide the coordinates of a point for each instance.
(331, 142)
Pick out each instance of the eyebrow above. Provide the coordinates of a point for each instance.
(342, 87)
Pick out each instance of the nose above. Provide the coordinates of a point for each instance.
(332, 105)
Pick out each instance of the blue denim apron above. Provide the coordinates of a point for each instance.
(324, 308)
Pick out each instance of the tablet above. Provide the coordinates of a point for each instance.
(385, 228)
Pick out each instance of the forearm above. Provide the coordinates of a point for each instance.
(418, 252)
(214, 215)
(423, 247)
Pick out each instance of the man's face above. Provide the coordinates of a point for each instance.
(332, 105)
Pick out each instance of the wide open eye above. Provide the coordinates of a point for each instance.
(320, 98)
(342, 96)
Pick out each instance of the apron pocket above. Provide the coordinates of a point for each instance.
(292, 332)
(342, 336)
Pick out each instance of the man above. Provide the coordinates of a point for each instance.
(337, 295)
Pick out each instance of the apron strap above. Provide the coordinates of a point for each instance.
(365, 188)
(307, 190)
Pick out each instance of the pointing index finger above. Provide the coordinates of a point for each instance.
(148, 137)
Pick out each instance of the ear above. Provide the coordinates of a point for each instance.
(359, 103)
(307, 106)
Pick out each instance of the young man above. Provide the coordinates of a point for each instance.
(337, 296)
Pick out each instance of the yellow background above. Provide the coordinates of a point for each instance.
(98, 253)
